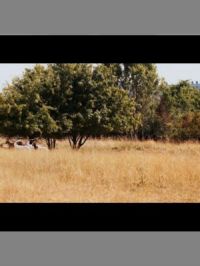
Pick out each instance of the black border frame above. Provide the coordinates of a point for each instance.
(99, 216)
(99, 48)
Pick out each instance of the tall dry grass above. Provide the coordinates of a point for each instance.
(102, 171)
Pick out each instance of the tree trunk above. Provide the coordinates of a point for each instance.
(76, 142)
(51, 143)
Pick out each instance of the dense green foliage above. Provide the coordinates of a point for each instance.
(79, 101)
(178, 112)
(65, 101)
(94, 104)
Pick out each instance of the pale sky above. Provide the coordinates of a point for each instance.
(9, 71)
(171, 72)
(176, 72)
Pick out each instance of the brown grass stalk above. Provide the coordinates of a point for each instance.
(102, 171)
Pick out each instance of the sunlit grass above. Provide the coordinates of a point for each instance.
(102, 171)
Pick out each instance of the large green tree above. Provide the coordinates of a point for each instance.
(27, 108)
(95, 105)
(142, 83)
(179, 107)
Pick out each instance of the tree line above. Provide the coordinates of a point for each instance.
(79, 101)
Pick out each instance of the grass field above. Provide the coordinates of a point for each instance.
(102, 171)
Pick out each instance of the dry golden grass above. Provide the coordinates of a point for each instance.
(102, 171)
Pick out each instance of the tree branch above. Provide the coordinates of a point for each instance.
(83, 142)
(70, 141)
